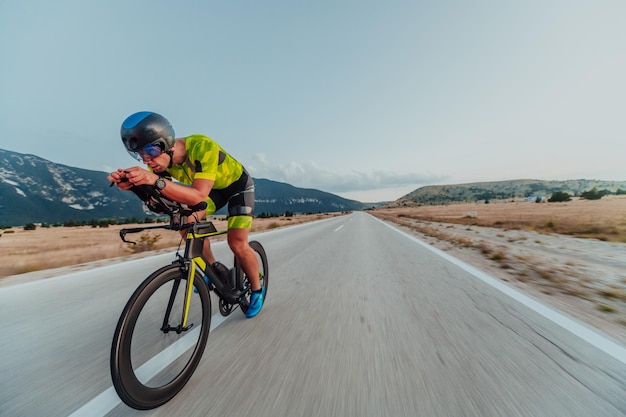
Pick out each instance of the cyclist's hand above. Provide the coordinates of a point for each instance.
(119, 178)
(140, 176)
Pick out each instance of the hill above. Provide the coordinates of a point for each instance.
(501, 190)
(35, 190)
(278, 197)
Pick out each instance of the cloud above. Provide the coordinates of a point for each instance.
(311, 175)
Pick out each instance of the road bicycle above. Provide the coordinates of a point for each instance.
(163, 330)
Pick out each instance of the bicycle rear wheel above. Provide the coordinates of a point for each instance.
(152, 357)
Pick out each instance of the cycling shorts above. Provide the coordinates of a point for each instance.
(240, 199)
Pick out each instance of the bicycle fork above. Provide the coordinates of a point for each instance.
(191, 267)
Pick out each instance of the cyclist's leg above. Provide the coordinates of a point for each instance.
(207, 253)
(240, 214)
(238, 231)
(240, 199)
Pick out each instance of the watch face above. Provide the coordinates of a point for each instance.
(160, 183)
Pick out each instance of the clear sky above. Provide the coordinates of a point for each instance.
(365, 99)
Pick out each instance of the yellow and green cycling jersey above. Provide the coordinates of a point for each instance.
(206, 159)
(232, 185)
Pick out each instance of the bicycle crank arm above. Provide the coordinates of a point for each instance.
(233, 297)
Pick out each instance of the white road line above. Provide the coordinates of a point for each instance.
(337, 229)
(606, 345)
(108, 400)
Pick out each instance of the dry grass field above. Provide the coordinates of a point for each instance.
(603, 219)
(23, 251)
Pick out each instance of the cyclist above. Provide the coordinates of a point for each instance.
(203, 171)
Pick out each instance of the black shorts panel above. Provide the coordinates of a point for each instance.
(239, 196)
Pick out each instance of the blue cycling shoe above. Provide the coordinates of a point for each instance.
(256, 303)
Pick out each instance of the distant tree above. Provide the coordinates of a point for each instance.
(620, 192)
(559, 196)
(265, 215)
(30, 226)
(592, 194)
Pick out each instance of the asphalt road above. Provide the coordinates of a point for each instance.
(360, 320)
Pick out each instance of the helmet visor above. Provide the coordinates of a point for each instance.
(147, 153)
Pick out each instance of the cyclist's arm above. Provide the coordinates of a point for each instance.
(195, 194)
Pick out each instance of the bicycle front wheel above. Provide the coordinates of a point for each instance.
(153, 354)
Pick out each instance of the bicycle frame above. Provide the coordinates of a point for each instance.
(193, 260)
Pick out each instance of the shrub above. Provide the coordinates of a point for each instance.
(146, 243)
(559, 196)
(30, 226)
(592, 194)
(265, 215)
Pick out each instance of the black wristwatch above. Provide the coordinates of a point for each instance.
(160, 183)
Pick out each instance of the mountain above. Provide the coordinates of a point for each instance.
(277, 197)
(35, 190)
(501, 190)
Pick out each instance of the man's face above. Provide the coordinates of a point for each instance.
(158, 163)
(153, 156)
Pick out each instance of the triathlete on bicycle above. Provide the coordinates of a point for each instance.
(203, 171)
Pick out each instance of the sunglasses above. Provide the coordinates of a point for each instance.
(147, 153)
